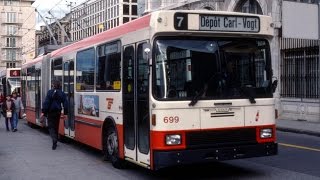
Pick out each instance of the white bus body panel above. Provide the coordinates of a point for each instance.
(205, 115)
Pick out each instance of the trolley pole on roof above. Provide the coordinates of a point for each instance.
(49, 29)
(62, 29)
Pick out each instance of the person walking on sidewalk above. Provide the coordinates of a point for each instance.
(7, 110)
(52, 109)
(18, 109)
(2, 99)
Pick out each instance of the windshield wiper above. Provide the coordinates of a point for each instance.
(196, 98)
(249, 92)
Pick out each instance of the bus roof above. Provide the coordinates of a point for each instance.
(113, 33)
(34, 61)
(153, 21)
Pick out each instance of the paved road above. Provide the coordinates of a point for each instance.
(27, 155)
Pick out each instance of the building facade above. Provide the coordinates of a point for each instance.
(296, 62)
(18, 19)
(95, 16)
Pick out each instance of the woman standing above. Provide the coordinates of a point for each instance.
(8, 110)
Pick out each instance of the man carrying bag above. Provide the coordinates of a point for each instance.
(52, 107)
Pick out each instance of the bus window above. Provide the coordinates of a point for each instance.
(108, 67)
(85, 70)
(56, 70)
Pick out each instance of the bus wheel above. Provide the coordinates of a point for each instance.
(111, 149)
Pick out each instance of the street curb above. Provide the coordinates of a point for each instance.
(300, 131)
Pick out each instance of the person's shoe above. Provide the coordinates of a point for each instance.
(54, 146)
(14, 130)
(8, 129)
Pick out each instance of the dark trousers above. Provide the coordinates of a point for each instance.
(7, 123)
(53, 125)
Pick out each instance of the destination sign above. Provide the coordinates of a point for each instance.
(229, 23)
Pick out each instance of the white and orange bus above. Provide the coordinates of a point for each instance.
(10, 81)
(170, 88)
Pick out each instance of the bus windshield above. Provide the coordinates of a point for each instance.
(212, 68)
(14, 85)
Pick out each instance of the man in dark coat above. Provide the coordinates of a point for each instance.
(52, 109)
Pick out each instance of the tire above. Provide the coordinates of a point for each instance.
(111, 149)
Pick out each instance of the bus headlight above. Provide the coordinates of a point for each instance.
(266, 133)
(173, 139)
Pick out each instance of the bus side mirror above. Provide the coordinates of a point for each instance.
(274, 86)
(147, 51)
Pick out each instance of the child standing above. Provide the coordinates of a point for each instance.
(8, 110)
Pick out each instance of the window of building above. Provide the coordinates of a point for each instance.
(112, 13)
(10, 2)
(11, 65)
(134, 1)
(300, 70)
(85, 70)
(117, 9)
(11, 42)
(11, 17)
(249, 6)
(125, 20)
(108, 67)
(12, 30)
(11, 55)
(126, 9)
(134, 10)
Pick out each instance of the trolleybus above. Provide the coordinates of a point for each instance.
(170, 88)
(10, 81)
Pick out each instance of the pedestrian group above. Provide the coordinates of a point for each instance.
(12, 108)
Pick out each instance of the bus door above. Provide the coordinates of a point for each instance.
(69, 90)
(37, 78)
(136, 104)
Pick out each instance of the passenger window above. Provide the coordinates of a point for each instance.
(108, 67)
(85, 70)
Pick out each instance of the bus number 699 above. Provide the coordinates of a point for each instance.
(171, 119)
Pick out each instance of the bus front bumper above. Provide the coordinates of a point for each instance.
(164, 159)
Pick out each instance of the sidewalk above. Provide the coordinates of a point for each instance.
(302, 127)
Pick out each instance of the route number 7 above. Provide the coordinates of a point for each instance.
(181, 21)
